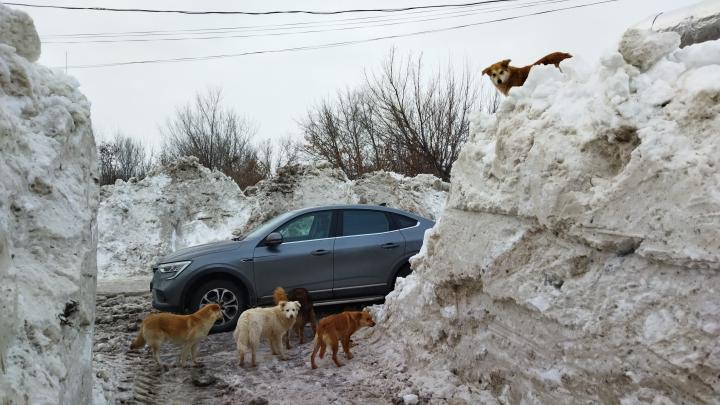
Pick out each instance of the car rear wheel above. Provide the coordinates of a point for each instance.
(227, 295)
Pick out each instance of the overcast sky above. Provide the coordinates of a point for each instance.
(275, 90)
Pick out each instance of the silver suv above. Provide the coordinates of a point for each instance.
(341, 254)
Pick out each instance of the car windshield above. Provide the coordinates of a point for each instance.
(267, 226)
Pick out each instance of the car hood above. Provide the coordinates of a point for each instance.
(193, 252)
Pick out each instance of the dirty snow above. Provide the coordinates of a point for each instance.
(579, 248)
(125, 376)
(48, 207)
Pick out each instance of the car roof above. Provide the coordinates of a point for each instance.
(359, 207)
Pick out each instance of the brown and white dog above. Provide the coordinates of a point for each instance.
(272, 323)
(339, 328)
(183, 330)
(306, 314)
(505, 76)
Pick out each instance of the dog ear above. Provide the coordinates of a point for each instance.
(282, 304)
(486, 71)
(505, 63)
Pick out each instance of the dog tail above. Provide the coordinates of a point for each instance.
(314, 352)
(139, 340)
(279, 295)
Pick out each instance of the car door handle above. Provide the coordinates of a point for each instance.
(320, 252)
(389, 245)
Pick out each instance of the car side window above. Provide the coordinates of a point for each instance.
(360, 222)
(403, 222)
(311, 226)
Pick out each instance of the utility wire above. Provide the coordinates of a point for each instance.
(190, 12)
(285, 26)
(346, 28)
(243, 27)
(334, 44)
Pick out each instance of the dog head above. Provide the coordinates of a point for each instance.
(364, 318)
(214, 310)
(289, 309)
(499, 72)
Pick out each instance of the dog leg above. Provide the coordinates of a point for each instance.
(299, 330)
(273, 345)
(241, 353)
(346, 347)
(253, 362)
(281, 349)
(286, 339)
(183, 355)
(193, 354)
(335, 348)
(315, 349)
(156, 355)
(313, 322)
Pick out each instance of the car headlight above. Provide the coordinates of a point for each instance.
(173, 268)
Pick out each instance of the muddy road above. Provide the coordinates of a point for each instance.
(126, 377)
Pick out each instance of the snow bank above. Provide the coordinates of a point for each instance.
(48, 205)
(175, 206)
(185, 204)
(695, 24)
(578, 258)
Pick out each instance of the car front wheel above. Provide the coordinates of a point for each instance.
(227, 295)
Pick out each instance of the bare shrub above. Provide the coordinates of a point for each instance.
(217, 136)
(122, 158)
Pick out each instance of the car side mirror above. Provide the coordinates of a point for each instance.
(273, 239)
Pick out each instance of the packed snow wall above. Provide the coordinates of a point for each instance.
(177, 205)
(578, 257)
(184, 204)
(48, 237)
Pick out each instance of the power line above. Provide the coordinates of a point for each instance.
(284, 26)
(396, 21)
(243, 27)
(254, 13)
(334, 44)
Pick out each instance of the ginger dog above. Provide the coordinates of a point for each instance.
(339, 328)
(306, 314)
(183, 330)
(505, 76)
(271, 323)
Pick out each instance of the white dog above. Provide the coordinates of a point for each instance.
(271, 322)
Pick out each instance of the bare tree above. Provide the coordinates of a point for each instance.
(427, 117)
(122, 158)
(216, 135)
(401, 120)
(278, 153)
(345, 132)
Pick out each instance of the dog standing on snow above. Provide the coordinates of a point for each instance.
(272, 323)
(504, 76)
(183, 330)
(306, 314)
(338, 328)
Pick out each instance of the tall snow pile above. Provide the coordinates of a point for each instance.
(184, 204)
(48, 207)
(578, 258)
(177, 205)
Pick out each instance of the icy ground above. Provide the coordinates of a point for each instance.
(124, 376)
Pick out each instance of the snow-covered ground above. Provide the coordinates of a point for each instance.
(184, 204)
(48, 205)
(578, 257)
